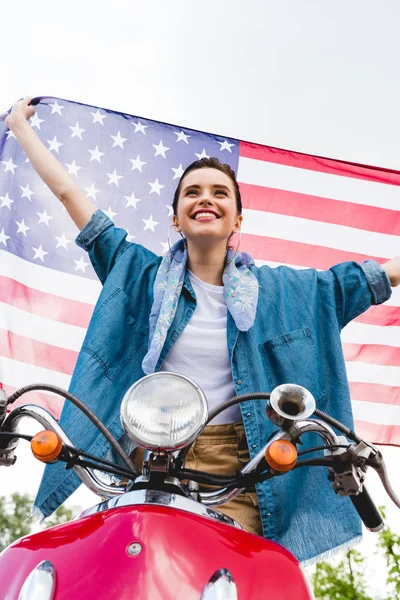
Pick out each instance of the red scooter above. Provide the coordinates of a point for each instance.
(156, 535)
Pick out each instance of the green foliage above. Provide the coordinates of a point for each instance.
(16, 520)
(389, 542)
(345, 580)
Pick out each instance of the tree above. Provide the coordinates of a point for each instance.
(16, 520)
(389, 542)
(344, 581)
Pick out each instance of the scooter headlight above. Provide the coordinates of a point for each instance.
(164, 411)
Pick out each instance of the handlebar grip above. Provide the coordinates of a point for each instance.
(367, 510)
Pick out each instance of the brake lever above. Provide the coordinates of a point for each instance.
(378, 464)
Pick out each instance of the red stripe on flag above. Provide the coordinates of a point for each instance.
(297, 253)
(53, 404)
(373, 354)
(318, 163)
(381, 315)
(36, 353)
(370, 218)
(374, 392)
(43, 304)
(388, 435)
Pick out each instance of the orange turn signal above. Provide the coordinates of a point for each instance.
(46, 446)
(281, 455)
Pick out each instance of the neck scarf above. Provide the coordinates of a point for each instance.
(240, 292)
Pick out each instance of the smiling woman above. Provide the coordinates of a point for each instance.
(207, 312)
(208, 211)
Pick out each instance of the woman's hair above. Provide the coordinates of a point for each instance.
(210, 163)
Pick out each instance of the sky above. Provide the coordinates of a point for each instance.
(314, 77)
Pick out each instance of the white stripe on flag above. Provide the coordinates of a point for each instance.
(376, 412)
(315, 183)
(40, 329)
(17, 374)
(48, 280)
(362, 333)
(329, 235)
(359, 372)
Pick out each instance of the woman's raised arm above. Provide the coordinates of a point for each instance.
(79, 207)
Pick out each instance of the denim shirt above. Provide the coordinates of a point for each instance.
(295, 338)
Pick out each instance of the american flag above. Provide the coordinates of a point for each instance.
(299, 210)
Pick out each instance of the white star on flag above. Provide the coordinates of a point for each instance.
(55, 145)
(226, 146)
(139, 127)
(10, 166)
(73, 168)
(202, 155)
(114, 178)
(91, 191)
(165, 247)
(137, 163)
(96, 154)
(62, 241)
(129, 236)
(98, 117)
(118, 140)
(160, 149)
(56, 108)
(150, 223)
(22, 228)
(178, 171)
(4, 237)
(170, 210)
(81, 264)
(76, 131)
(156, 187)
(39, 253)
(27, 192)
(182, 137)
(109, 212)
(35, 121)
(44, 217)
(132, 200)
(6, 201)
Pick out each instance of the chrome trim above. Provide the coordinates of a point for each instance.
(222, 495)
(315, 426)
(220, 587)
(40, 583)
(157, 498)
(290, 395)
(86, 475)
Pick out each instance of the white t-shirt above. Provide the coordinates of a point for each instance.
(201, 351)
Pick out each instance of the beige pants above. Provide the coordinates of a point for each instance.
(223, 450)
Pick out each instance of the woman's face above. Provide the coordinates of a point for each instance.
(207, 210)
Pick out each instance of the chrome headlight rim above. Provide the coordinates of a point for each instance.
(145, 444)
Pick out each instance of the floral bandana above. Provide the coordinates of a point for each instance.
(240, 291)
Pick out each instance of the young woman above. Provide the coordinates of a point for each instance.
(211, 314)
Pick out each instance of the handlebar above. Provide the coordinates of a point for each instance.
(369, 513)
(346, 462)
(86, 475)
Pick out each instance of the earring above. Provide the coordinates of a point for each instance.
(169, 237)
(233, 257)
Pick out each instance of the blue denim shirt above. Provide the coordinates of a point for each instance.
(295, 338)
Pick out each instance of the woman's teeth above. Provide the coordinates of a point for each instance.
(205, 215)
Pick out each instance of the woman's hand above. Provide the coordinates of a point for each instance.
(19, 111)
(392, 268)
